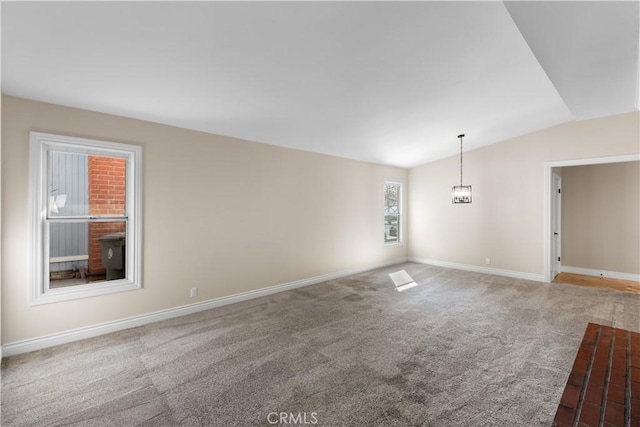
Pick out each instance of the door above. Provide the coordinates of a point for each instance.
(556, 225)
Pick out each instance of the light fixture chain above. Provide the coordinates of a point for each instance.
(461, 161)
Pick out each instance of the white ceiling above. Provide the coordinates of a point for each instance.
(385, 82)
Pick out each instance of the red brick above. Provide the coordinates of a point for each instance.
(584, 352)
(635, 408)
(580, 365)
(105, 173)
(618, 377)
(616, 394)
(593, 394)
(592, 330)
(620, 352)
(635, 390)
(618, 362)
(570, 396)
(620, 343)
(590, 415)
(606, 331)
(576, 379)
(597, 377)
(620, 332)
(600, 363)
(602, 351)
(614, 414)
(605, 339)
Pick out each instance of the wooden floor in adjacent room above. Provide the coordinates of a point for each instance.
(599, 282)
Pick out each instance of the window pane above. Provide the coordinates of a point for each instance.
(391, 228)
(86, 252)
(391, 198)
(68, 184)
(81, 184)
(68, 248)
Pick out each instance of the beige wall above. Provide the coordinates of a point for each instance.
(601, 217)
(505, 221)
(220, 214)
(0, 226)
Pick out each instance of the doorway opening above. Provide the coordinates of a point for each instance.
(552, 208)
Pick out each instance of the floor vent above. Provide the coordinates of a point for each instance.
(402, 280)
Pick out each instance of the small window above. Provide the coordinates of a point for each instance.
(392, 212)
(86, 217)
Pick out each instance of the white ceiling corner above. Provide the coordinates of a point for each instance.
(589, 50)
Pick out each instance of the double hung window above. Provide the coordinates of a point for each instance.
(392, 212)
(86, 213)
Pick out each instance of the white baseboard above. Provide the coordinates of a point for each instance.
(38, 343)
(600, 273)
(479, 269)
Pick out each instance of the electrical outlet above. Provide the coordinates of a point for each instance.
(487, 261)
(194, 292)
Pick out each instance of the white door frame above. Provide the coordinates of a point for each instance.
(556, 224)
(548, 194)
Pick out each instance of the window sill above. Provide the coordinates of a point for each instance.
(84, 291)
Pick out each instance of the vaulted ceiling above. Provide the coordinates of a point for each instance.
(384, 82)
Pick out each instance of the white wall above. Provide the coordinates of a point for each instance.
(601, 217)
(221, 214)
(505, 221)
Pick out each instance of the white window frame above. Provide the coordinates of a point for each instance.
(401, 216)
(40, 146)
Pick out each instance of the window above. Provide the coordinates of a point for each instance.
(86, 210)
(392, 212)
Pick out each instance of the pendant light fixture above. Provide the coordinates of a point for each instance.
(461, 193)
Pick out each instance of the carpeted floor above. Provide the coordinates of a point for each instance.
(460, 349)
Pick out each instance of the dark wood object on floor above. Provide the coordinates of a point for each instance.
(603, 388)
(598, 282)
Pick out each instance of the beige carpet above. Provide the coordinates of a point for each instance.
(459, 349)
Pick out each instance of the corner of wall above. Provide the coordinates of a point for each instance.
(1, 98)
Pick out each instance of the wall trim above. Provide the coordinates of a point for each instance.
(32, 344)
(478, 269)
(598, 273)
